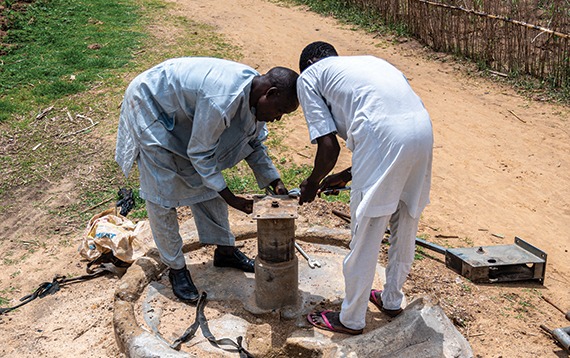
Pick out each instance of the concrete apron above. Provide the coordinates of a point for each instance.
(148, 317)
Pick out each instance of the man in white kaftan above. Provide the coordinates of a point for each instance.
(368, 103)
(183, 122)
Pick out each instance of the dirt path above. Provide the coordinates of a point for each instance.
(501, 162)
(501, 167)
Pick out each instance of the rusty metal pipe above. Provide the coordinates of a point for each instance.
(276, 265)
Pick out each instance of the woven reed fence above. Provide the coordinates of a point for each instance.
(509, 36)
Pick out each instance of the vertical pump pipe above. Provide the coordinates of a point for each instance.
(276, 265)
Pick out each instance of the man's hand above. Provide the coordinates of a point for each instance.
(242, 204)
(325, 160)
(278, 187)
(335, 181)
(308, 191)
(237, 202)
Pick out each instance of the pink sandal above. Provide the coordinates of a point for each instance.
(378, 303)
(328, 326)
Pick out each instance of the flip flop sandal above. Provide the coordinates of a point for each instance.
(378, 303)
(328, 326)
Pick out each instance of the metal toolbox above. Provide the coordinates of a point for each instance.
(488, 264)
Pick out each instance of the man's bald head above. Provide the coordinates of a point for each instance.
(285, 80)
(274, 94)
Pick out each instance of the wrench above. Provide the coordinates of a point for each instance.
(293, 193)
(312, 263)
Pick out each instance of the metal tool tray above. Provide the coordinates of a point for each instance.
(502, 263)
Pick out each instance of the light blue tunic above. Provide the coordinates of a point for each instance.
(184, 121)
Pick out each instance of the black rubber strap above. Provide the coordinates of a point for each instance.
(202, 322)
(49, 288)
(191, 331)
(44, 289)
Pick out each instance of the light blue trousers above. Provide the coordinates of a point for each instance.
(212, 223)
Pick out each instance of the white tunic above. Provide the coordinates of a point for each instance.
(370, 104)
(186, 120)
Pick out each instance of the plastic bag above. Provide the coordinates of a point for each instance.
(109, 231)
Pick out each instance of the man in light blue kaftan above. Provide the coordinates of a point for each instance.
(183, 122)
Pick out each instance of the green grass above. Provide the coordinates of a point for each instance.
(240, 179)
(77, 58)
(48, 61)
(343, 197)
(57, 48)
(419, 254)
(4, 301)
(139, 210)
(292, 174)
(367, 19)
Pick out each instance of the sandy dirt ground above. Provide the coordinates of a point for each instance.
(501, 169)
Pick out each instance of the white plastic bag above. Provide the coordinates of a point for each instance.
(109, 231)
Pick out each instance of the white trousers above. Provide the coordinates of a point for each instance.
(212, 224)
(359, 266)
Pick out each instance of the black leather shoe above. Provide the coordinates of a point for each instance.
(182, 285)
(236, 260)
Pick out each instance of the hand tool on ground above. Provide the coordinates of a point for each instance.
(342, 215)
(562, 335)
(312, 262)
(557, 307)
